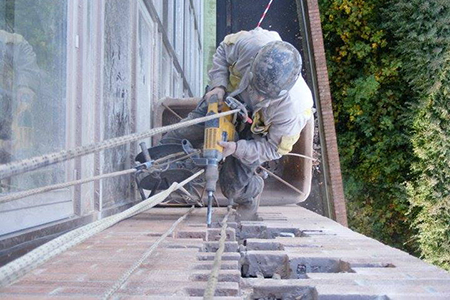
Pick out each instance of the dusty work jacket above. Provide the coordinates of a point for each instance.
(17, 63)
(277, 123)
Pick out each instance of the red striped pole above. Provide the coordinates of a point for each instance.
(264, 14)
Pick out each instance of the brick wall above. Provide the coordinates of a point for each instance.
(329, 138)
(289, 253)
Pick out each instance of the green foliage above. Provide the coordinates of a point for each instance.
(42, 23)
(422, 32)
(389, 64)
(369, 103)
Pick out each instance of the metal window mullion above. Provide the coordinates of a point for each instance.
(99, 118)
(134, 12)
(73, 38)
(152, 10)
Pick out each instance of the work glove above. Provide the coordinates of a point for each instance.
(220, 92)
(228, 148)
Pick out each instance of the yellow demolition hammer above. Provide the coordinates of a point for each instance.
(216, 130)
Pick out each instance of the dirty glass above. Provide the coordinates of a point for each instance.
(192, 68)
(159, 7)
(177, 84)
(188, 44)
(145, 71)
(168, 20)
(166, 68)
(33, 104)
(178, 32)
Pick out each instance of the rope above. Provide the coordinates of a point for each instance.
(19, 195)
(282, 180)
(214, 275)
(300, 155)
(21, 266)
(172, 111)
(130, 271)
(177, 159)
(264, 13)
(34, 163)
(167, 157)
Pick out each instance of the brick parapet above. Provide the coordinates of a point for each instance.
(330, 139)
(289, 252)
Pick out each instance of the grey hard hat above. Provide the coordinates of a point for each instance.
(275, 69)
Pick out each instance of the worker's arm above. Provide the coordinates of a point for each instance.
(282, 136)
(218, 74)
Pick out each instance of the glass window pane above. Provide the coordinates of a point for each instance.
(177, 84)
(166, 70)
(159, 7)
(179, 33)
(33, 106)
(168, 20)
(144, 72)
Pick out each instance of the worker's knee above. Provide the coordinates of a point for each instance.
(244, 194)
(238, 181)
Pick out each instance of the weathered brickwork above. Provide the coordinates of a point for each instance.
(289, 253)
(336, 186)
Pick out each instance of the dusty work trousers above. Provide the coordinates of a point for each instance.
(237, 180)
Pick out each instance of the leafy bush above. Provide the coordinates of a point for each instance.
(389, 64)
(422, 34)
(369, 103)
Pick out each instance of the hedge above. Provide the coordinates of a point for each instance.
(389, 65)
(370, 110)
(422, 34)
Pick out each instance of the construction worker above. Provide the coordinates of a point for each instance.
(262, 71)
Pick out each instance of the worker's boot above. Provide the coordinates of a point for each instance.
(247, 208)
(247, 211)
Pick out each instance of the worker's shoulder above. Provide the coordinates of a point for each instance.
(298, 102)
(254, 35)
(301, 92)
(234, 37)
